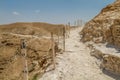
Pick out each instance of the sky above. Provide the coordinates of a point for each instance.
(50, 11)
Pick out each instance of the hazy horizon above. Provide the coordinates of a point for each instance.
(49, 11)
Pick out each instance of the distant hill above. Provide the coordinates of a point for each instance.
(31, 28)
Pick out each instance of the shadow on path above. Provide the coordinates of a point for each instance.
(111, 74)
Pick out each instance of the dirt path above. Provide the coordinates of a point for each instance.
(75, 63)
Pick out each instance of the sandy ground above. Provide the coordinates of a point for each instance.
(75, 63)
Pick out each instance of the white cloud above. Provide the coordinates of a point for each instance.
(37, 11)
(15, 13)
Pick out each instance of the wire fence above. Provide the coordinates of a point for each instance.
(23, 51)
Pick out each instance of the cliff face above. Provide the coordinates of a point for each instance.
(105, 27)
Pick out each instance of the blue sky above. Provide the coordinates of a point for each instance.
(51, 11)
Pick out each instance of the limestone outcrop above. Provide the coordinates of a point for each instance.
(105, 27)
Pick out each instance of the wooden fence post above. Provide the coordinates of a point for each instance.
(69, 28)
(53, 50)
(66, 34)
(67, 31)
(64, 38)
(58, 37)
(23, 52)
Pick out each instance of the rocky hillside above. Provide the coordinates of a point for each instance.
(39, 56)
(105, 27)
(38, 49)
(33, 28)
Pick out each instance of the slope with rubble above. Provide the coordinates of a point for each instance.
(102, 35)
(105, 27)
